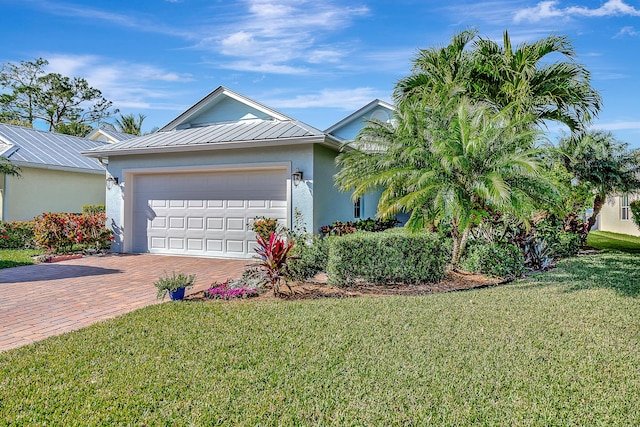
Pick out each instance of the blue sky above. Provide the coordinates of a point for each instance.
(317, 61)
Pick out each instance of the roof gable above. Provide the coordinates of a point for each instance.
(222, 119)
(347, 128)
(220, 106)
(108, 135)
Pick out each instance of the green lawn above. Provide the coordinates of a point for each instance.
(614, 241)
(560, 348)
(15, 257)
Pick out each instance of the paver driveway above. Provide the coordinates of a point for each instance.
(42, 300)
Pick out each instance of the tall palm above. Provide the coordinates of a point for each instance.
(441, 72)
(449, 163)
(603, 164)
(521, 77)
(130, 124)
(524, 77)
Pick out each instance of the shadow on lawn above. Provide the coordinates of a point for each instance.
(608, 270)
(40, 272)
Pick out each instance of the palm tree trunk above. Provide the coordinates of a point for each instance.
(598, 203)
(459, 246)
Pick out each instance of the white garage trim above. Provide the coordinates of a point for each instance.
(129, 181)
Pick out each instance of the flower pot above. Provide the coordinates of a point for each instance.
(176, 295)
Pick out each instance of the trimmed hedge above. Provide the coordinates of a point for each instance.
(499, 260)
(17, 235)
(388, 257)
(311, 258)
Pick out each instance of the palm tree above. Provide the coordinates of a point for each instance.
(524, 77)
(450, 163)
(520, 77)
(130, 124)
(601, 163)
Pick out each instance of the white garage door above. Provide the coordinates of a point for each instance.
(205, 214)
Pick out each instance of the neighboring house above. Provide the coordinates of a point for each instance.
(109, 134)
(55, 177)
(616, 215)
(193, 187)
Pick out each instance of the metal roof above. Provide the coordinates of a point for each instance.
(31, 147)
(112, 133)
(216, 135)
(357, 114)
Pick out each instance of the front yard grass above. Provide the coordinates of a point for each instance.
(559, 348)
(16, 257)
(606, 240)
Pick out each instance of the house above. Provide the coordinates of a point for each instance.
(107, 133)
(55, 177)
(616, 216)
(347, 129)
(193, 187)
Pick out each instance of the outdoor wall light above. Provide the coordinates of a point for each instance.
(111, 181)
(296, 177)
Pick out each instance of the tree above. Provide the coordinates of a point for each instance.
(33, 95)
(526, 78)
(601, 163)
(448, 163)
(8, 168)
(130, 124)
(22, 82)
(74, 128)
(522, 78)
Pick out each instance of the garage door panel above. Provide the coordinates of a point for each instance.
(205, 213)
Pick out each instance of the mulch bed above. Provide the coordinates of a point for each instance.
(318, 288)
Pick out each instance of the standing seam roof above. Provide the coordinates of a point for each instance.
(47, 148)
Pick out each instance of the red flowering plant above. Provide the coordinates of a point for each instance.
(275, 255)
(58, 232)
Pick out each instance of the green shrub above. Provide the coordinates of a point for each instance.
(635, 212)
(93, 209)
(565, 245)
(499, 260)
(311, 254)
(339, 228)
(385, 258)
(17, 235)
(264, 227)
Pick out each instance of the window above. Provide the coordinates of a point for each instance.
(357, 208)
(624, 208)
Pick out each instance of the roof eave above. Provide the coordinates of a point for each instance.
(23, 164)
(327, 140)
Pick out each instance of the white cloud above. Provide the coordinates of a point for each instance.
(627, 31)
(122, 20)
(631, 125)
(345, 99)
(281, 38)
(549, 9)
(126, 84)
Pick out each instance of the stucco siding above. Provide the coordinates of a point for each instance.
(126, 167)
(610, 217)
(46, 190)
(329, 204)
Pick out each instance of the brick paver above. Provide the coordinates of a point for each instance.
(39, 301)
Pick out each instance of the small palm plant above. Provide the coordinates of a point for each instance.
(275, 256)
